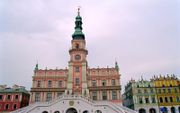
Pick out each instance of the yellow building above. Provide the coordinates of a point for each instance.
(168, 93)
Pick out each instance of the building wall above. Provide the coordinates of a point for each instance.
(12, 99)
(158, 93)
(110, 76)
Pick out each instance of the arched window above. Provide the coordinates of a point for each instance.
(7, 107)
(152, 110)
(15, 106)
(77, 46)
(161, 100)
(44, 112)
(142, 110)
(98, 111)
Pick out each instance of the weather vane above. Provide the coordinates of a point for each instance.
(79, 7)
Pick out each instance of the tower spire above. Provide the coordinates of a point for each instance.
(79, 7)
(78, 34)
(116, 65)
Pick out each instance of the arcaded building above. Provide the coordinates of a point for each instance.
(78, 79)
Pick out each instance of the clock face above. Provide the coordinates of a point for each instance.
(77, 57)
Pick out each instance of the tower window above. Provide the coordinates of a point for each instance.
(77, 81)
(77, 69)
(77, 46)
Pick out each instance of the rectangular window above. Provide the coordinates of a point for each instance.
(139, 91)
(103, 82)
(49, 83)
(77, 81)
(152, 91)
(166, 99)
(49, 97)
(153, 100)
(94, 83)
(114, 95)
(59, 94)
(169, 90)
(140, 100)
(38, 83)
(147, 100)
(145, 91)
(94, 95)
(16, 97)
(1, 97)
(104, 95)
(37, 97)
(171, 99)
(178, 99)
(164, 90)
(159, 90)
(77, 69)
(175, 90)
(60, 84)
(113, 82)
(8, 97)
(161, 100)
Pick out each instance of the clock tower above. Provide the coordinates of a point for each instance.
(77, 75)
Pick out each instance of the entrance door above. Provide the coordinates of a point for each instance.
(71, 110)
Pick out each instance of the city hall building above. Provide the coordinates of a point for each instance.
(78, 88)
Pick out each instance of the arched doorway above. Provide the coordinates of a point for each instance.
(86, 111)
(98, 111)
(142, 110)
(44, 112)
(71, 110)
(57, 112)
(173, 110)
(152, 110)
(165, 110)
(179, 109)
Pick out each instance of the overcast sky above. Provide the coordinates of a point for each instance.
(142, 35)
